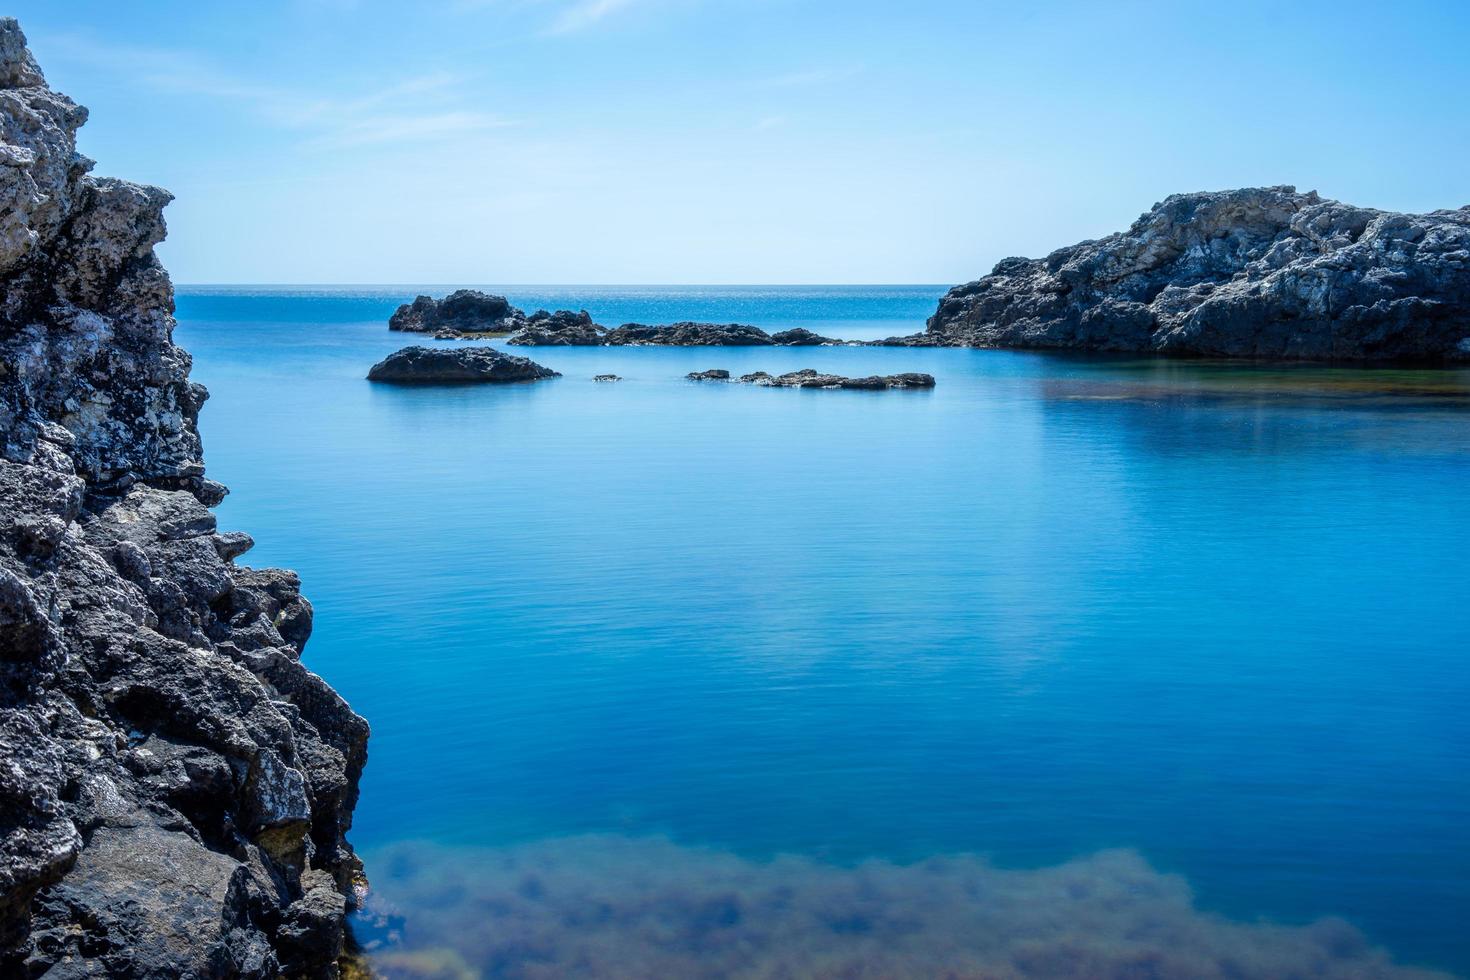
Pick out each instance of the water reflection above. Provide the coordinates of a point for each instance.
(615, 906)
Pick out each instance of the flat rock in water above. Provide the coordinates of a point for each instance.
(1262, 272)
(688, 334)
(716, 374)
(606, 377)
(456, 365)
(801, 337)
(808, 378)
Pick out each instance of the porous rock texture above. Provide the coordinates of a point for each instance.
(1261, 273)
(456, 365)
(175, 786)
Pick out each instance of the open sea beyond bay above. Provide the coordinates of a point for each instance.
(1070, 666)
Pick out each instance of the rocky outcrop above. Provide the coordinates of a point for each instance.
(714, 374)
(175, 785)
(461, 365)
(471, 313)
(1262, 272)
(809, 378)
(606, 377)
(688, 334)
(560, 329)
(801, 337)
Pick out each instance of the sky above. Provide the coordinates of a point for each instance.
(736, 141)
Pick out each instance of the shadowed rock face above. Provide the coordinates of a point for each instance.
(462, 365)
(1261, 272)
(175, 785)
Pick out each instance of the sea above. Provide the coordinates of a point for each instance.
(1071, 666)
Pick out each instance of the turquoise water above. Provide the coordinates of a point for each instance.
(1173, 628)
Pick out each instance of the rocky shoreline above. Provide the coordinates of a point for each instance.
(1254, 273)
(177, 785)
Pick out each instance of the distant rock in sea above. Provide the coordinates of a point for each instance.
(688, 334)
(456, 365)
(175, 785)
(809, 378)
(714, 374)
(560, 329)
(471, 313)
(1260, 273)
(606, 377)
(801, 337)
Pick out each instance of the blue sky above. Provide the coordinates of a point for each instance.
(727, 141)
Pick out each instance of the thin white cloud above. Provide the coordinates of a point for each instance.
(585, 13)
(418, 107)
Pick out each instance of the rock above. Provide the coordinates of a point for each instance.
(469, 313)
(715, 374)
(808, 378)
(1261, 272)
(175, 785)
(457, 365)
(560, 329)
(801, 337)
(606, 377)
(687, 334)
(464, 310)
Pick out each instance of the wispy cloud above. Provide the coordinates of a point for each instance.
(585, 13)
(417, 107)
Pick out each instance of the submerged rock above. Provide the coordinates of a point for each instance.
(606, 377)
(175, 785)
(809, 378)
(456, 365)
(715, 374)
(688, 334)
(1261, 272)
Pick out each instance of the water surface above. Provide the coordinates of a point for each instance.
(1116, 656)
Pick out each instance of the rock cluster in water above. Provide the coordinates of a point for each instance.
(810, 378)
(459, 365)
(1261, 272)
(175, 786)
(470, 313)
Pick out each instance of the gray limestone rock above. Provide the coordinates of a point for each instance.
(1260, 273)
(175, 785)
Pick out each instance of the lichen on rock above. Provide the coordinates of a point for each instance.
(175, 785)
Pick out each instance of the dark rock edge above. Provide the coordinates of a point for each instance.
(175, 785)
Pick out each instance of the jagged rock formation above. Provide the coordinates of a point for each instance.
(1261, 272)
(809, 378)
(461, 365)
(560, 329)
(175, 786)
(471, 313)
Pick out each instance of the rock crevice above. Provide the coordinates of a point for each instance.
(175, 785)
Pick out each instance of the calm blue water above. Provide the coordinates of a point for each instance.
(1214, 616)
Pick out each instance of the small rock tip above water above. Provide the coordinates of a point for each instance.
(457, 365)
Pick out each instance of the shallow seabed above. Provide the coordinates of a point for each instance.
(1071, 666)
